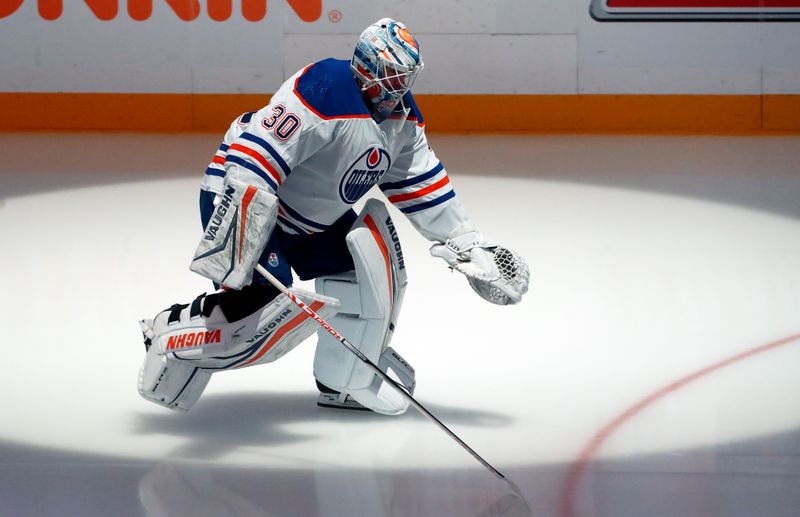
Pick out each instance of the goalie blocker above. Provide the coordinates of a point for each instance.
(236, 235)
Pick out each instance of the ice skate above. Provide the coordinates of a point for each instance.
(329, 398)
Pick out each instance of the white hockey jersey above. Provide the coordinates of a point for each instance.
(318, 149)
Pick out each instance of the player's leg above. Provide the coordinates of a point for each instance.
(225, 330)
(322, 253)
(222, 331)
(371, 296)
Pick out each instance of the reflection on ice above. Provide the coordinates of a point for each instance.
(170, 489)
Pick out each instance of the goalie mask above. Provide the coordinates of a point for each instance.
(386, 62)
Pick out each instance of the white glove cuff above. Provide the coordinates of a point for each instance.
(459, 247)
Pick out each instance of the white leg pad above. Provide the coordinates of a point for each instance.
(171, 383)
(371, 297)
(186, 348)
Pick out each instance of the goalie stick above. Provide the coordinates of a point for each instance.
(394, 384)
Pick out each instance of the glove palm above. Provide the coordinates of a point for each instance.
(495, 273)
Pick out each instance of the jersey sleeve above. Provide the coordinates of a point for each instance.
(418, 185)
(215, 172)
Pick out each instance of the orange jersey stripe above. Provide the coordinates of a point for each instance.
(427, 190)
(260, 159)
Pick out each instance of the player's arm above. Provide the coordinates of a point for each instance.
(214, 176)
(215, 171)
(260, 151)
(276, 139)
(418, 185)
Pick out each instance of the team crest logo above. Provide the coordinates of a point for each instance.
(273, 260)
(363, 174)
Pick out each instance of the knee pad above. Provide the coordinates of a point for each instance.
(187, 343)
(371, 297)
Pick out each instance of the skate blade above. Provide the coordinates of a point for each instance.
(332, 401)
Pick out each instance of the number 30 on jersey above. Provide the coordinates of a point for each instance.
(282, 124)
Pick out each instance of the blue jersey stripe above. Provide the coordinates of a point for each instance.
(223, 147)
(291, 225)
(438, 201)
(215, 172)
(412, 181)
(275, 156)
(294, 213)
(246, 117)
(254, 168)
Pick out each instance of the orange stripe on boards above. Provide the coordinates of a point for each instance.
(215, 111)
(95, 111)
(782, 113)
(594, 113)
(722, 114)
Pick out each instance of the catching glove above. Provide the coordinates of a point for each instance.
(496, 273)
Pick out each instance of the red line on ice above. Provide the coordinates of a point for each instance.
(570, 488)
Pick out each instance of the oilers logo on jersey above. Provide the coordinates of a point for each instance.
(365, 172)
